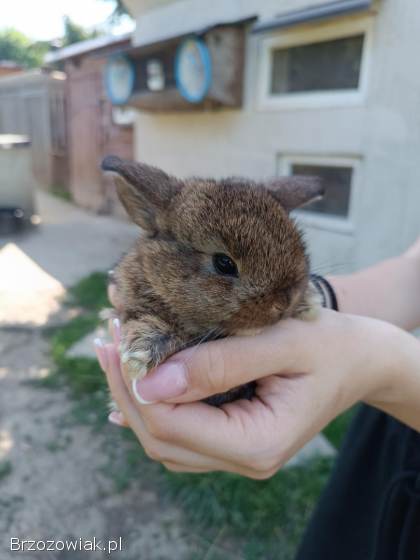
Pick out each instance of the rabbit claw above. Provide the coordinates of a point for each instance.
(137, 362)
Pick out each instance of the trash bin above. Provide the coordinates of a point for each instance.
(17, 184)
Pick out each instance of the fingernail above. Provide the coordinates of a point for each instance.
(116, 417)
(100, 353)
(166, 382)
(116, 330)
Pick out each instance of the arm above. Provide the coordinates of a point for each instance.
(399, 396)
(388, 290)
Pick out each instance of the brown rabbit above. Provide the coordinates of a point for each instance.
(217, 258)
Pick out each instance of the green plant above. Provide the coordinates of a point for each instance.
(5, 468)
(19, 48)
(61, 192)
(82, 376)
(74, 33)
(89, 293)
(337, 429)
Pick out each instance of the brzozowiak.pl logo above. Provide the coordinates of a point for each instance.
(87, 545)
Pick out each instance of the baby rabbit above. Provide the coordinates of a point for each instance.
(217, 258)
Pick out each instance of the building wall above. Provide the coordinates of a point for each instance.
(93, 134)
(382, 133)
(160, 17)
(26, 100)
(8, 70)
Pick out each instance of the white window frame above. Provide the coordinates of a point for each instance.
(267, 101)
(329, 222)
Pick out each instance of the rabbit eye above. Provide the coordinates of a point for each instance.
(224, 265)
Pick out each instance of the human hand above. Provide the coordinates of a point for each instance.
(307, 373)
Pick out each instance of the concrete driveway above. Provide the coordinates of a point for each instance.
(38, 265)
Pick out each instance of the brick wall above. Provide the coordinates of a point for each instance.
(92, 134)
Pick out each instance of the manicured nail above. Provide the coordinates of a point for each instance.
(117, 418)
(166, 382)
(116, 331)
(136, 393)
(100, 353)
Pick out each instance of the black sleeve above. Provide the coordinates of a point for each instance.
(370, 509)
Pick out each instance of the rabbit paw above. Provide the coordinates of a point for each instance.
(137, 362)
(143, 348)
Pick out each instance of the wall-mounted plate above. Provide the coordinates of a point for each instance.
(193, 71)
(119, 79)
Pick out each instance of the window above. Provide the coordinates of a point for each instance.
(323, 65)
(337, 184)
(328, 65)
(340, 177)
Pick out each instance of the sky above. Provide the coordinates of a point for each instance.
(43, 19)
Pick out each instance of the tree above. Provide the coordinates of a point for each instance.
(17, 47)
(73, 33)
(119, 11)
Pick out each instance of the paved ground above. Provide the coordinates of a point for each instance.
(50, 481)
(37, 266)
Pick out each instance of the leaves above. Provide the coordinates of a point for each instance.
(17, 47)
(74, 33)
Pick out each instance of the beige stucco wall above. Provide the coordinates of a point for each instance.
(265, 9)
(383, 133)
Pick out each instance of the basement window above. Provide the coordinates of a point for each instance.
(337, 184)
(340, 178)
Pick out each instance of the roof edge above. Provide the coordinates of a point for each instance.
(83, 47)
(313, 13)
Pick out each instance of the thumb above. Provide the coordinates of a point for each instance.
(218, 366)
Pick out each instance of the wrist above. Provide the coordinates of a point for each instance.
(397, 379)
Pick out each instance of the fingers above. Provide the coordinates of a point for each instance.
(117, 386)
(156, 430)
(216, 367)
(114, 326)
(116, 417)
(113, 296)
(239, 435)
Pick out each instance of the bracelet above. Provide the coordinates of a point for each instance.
(326, 291)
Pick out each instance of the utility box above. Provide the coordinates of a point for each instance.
(17, 184)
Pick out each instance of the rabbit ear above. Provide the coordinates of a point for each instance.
(296, 190)
(144, 191)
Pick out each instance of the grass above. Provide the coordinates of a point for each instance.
(90, 292)
(256, 518)
(270, 514)
(61, 192)
(5, 469)
(336, 430)
(82, 376)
